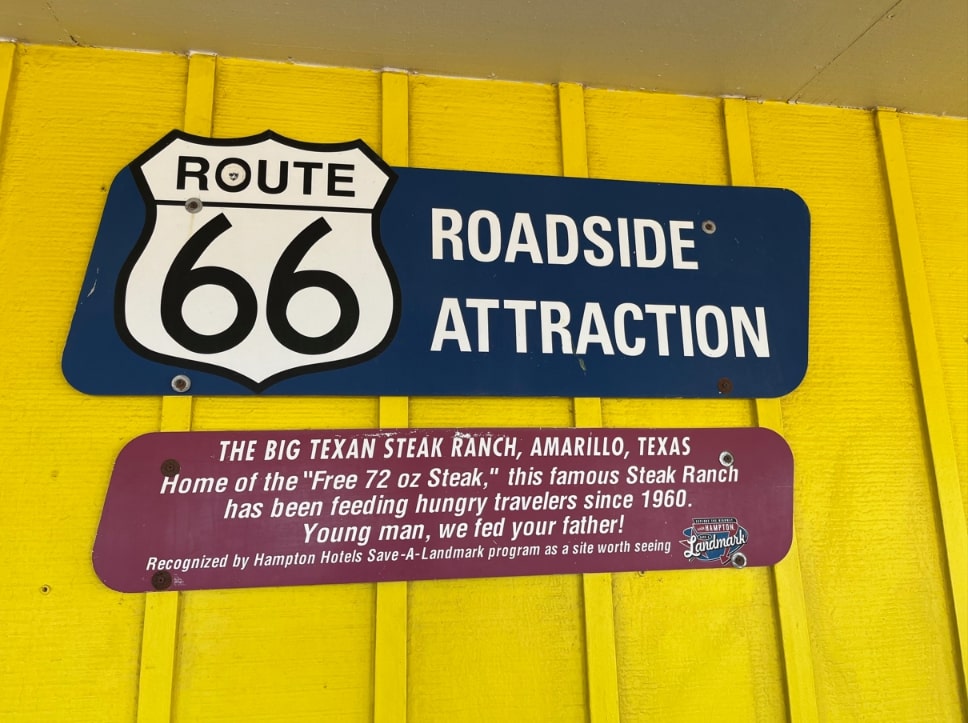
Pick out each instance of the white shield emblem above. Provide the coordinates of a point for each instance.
(260, 258)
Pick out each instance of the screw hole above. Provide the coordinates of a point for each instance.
(161, 580)
(45, 589)
(709, 227)
(170, 467)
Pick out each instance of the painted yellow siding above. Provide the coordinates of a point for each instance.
(865, 622)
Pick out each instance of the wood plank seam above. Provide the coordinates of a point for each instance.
(390, 624)
(598, 603)
(159, 642)
(787, 575)
(929, 370)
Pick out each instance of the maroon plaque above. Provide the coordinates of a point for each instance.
(201, 510)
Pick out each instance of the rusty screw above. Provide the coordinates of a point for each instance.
(170, 467)
(181, 383)
(161, 580)
(724, 385)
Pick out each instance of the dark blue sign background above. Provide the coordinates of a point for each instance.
(758, 256)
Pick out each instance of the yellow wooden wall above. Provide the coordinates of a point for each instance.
(865, 620)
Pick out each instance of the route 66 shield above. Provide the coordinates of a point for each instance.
(260, 257)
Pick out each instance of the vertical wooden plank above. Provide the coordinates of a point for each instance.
(671, 624)
(797, 655)
(7, 50)
(255, 672)
(495, 126)
(157, 657)
(390, 637)
(574, 144)
(599, 608)
(930, 375)
(936, 150)
(502, 648)
(396, 118)
(72, 118)
(159, 638)
(199, 97)
(856, 427)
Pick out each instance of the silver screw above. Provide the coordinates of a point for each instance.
(709, 226)
(739, 560)
(181, 383)
(193, 205)
(726, 458)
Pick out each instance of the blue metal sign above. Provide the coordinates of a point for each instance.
(270, 266)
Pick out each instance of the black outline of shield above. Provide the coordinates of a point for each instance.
(149, 225)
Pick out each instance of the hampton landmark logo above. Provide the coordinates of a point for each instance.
(714, 538)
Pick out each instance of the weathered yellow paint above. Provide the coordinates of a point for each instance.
(322, 637)
(7, 52)
(276, 654)
(320, 105)
(669, 139)
(876, 621)
(158, 641)
(574, 145)
(390, 653)
(519, 655)
(588, 412)
(395, 128)
(880, 624)
(936, 150)
(930, 374)
(659, 615)
(485, 126)
(73, 117)
(159, 636)
(200, 94)
(663, 138)
(787, 577)
(602, 672)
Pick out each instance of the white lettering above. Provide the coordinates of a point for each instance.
(555, 316)
(678, 244)
(494, 236)
(566, 239)
(439, 234)
(702, 329)
(450, 326)
(757, 337)
(621, 340)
